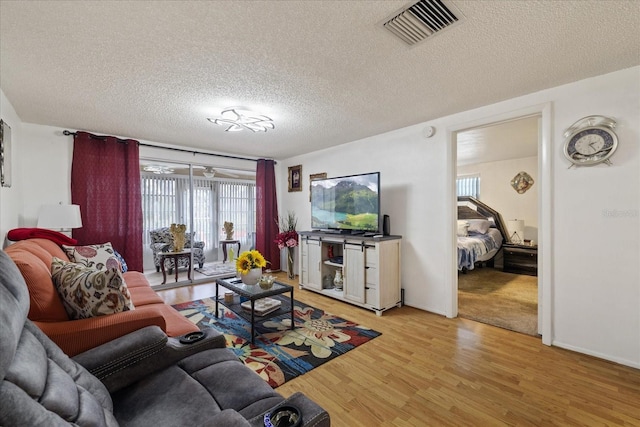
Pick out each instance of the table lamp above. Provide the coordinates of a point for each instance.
(516, 228)
(59, 217)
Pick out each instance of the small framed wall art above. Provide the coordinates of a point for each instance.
(313, 177)
(522, 182)
(295, 178)
(5, 154)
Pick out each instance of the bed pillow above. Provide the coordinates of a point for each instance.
(87, 292)
(480, 226)
(463, 228)
(99, 257)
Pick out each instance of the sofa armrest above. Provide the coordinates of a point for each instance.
(76, 336)
(160, 247)
(134, 356)
(312, 414)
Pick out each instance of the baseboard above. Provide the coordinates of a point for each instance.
(599, 355)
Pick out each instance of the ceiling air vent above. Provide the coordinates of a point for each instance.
(423, 19)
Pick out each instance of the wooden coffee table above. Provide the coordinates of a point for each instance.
(254, 293)
(175, 256)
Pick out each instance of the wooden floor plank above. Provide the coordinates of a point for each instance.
(427, 370)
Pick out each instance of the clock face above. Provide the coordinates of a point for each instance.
(590, 146)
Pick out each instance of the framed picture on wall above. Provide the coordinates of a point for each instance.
(5, 154)
(295, 178)
(313, 177)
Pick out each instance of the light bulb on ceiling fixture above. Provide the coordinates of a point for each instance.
(237, 119)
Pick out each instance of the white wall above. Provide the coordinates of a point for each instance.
(594, 280)
(11, 197)
(496, 190)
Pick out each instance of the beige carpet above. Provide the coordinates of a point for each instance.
(501, 299)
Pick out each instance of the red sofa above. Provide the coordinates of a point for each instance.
(33, 257)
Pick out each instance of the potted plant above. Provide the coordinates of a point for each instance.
(249, 264)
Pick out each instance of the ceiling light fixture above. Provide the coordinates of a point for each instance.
(158, 169)
(237, 119)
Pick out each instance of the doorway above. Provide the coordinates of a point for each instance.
(501, 287)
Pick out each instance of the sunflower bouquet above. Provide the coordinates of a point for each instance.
(249, 260)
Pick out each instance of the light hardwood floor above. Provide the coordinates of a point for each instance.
(427, 370)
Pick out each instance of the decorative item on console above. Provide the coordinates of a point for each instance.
(178, 234)
(288, 238)
(250, 265)
(338, 281)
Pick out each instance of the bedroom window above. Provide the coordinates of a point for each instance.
(468, 185)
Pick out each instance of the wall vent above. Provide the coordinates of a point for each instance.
(425, 18)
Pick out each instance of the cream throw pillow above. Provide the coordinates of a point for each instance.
(87, 292)
(99, 257)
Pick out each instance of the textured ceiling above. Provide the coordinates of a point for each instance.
(325, 71)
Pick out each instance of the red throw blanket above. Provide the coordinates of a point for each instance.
(40, 233)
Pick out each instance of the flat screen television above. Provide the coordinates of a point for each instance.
(346, 203)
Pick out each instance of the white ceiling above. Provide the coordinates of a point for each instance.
(325, 71)
(513, 139)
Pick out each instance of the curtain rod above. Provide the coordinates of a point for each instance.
(226, 156)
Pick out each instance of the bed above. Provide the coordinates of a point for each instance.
(481, 233)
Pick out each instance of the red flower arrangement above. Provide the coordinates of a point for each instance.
(287, 239)
(288, 236)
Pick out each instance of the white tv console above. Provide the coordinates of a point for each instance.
(370, 268)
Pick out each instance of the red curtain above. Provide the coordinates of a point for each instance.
(105, 182)
(267, 213)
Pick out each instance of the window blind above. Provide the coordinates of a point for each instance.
(468, 185)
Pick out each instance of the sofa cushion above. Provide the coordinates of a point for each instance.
(100, 256)
(45, 304)
(144, 295)
(87, 292)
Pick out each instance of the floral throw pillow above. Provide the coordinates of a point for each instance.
(87, 292)
(99, 257)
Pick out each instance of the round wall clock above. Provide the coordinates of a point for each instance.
(590, 140)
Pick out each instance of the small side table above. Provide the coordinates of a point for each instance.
(224, 244)
(175, 256)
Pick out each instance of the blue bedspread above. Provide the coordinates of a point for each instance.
(472, 247)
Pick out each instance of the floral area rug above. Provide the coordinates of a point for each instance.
(281, 354)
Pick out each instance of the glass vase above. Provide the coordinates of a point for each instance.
(290, 273)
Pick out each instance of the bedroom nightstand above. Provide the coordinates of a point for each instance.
(520, 259)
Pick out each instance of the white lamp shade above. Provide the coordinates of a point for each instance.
(59, 217)
(516, 230)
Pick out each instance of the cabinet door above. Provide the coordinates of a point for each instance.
(353, 270)
(313, 267)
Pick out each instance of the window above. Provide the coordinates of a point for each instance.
(237, 204)
(468, 185)
(165, 200)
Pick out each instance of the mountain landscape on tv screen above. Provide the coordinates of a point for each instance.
(346, 205)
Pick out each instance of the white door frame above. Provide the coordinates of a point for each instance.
(545, 225)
